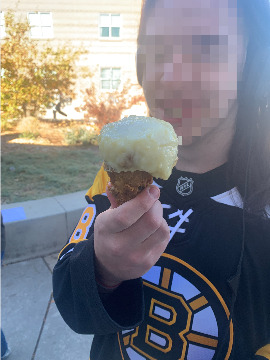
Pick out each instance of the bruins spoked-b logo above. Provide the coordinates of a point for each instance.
(184, 186)
(184, 320)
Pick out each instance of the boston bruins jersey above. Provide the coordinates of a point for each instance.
(207, 297)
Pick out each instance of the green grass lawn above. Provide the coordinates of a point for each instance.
(47, 171)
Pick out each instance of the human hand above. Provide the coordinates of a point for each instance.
(129, 239)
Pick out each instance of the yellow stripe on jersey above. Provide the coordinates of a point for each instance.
(100, 183)
(264, 351)
(86, 221)
(74, 242)
(81, 231)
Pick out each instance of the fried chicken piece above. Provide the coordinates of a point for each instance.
(126, 185)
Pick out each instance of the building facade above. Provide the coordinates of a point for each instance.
(107, 29)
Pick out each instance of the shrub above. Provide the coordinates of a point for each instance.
(7, 124)
(29, 127)
(108, 107)
(29, 135)
(80, 136)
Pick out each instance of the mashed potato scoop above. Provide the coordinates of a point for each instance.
(136, 149)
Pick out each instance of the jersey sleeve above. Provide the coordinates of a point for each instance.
(75, 290)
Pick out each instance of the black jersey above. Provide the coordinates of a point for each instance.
(182, 308)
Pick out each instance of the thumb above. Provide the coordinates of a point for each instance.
(111, 197)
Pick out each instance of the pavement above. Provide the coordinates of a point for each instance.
(33, 327)
(35, 232)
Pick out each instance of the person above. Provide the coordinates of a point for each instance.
(5, 349)
(57, 108)
(197, 285)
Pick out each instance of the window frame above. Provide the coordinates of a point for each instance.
(110, 37)
(111, 68)
(40, 26)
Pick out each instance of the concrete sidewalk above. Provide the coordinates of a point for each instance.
(31, 322)
(37, 228)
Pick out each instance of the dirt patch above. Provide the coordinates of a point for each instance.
(11, 142)
(48, 134)
(51, 135)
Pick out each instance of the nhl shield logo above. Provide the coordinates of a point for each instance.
(184, 186)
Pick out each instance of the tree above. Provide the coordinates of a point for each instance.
(33, 76)
(107, 107)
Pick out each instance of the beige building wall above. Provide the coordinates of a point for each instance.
(77, 22)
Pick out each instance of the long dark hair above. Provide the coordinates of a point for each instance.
(249, 156)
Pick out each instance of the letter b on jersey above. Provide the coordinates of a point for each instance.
(168, 320)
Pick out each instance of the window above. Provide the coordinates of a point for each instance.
(41, 25)
(2, 25)
(109, 25)
(110, 78)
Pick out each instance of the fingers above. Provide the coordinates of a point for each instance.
(129, 213)
(147, 224)
(147, 253)
(158, 240)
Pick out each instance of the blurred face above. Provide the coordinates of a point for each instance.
(190, 57)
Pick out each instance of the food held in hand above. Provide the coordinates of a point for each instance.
(136, 149)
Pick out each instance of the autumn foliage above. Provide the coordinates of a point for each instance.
(106, 107)
(34, 73)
